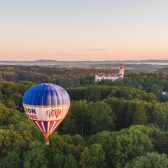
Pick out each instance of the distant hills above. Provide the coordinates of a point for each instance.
(41, 61)
(136, 65)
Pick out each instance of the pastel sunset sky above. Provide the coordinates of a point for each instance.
(83, 29)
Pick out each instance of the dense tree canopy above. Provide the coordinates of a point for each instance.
(153, 160)
(124, 124)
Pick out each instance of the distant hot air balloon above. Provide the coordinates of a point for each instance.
(46, 105)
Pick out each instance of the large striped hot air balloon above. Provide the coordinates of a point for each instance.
(46, 105)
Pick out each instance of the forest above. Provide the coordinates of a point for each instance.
(120, 124)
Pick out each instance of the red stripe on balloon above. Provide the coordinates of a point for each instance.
(51, 125)
(40, 125)
(56, 124)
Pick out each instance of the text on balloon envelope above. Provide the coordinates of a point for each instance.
(30, 110)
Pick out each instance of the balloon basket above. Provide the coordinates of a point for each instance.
(47, 141)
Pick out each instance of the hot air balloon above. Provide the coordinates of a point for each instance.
(46, 105)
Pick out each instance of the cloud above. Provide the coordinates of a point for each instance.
(41, 54)
(99, 49)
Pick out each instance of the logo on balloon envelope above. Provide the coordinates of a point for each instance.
(53, 113)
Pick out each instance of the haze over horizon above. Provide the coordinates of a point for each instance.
(83, 30)
(121, 60)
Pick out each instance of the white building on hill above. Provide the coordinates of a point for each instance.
(114, 75)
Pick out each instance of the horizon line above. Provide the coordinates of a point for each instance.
(84, 60)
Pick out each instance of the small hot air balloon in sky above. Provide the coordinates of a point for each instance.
(46, 105)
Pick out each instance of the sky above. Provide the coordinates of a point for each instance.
(83, 29)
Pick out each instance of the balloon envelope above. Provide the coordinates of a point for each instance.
(46, 105)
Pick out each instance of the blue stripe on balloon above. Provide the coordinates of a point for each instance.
(58, 96)
(35, 123)
(48, 95)
(45, 125)
(53, 95)
(36, 92)
(44, 96)
(26, 96)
